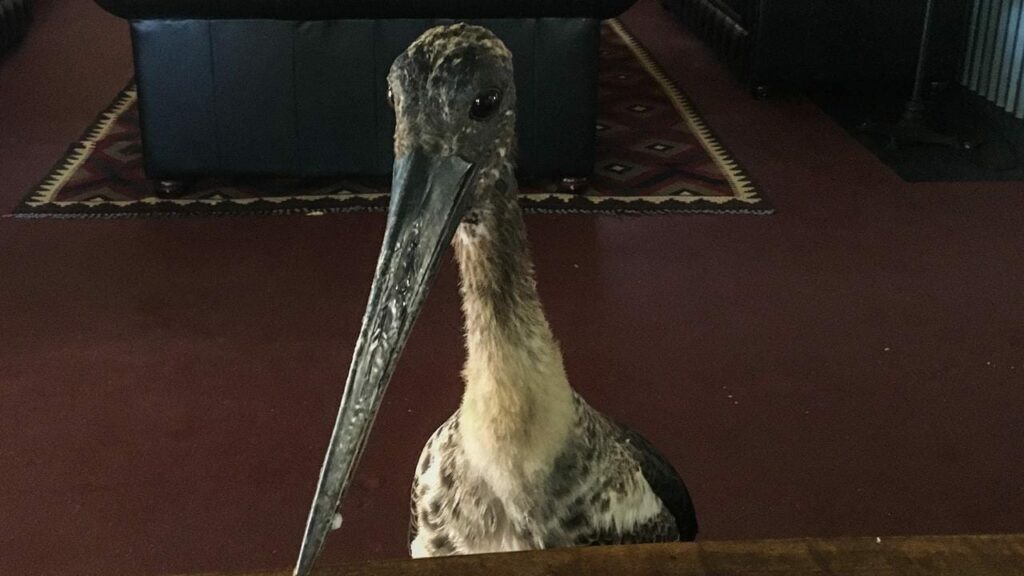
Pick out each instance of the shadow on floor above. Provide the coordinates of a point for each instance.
(992, 143)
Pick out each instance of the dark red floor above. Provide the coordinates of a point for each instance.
(849, 366)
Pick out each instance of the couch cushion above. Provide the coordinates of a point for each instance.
(362, 9)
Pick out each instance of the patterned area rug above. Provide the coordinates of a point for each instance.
(654, 154)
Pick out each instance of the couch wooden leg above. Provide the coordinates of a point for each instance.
(170, 188)
(575, 184)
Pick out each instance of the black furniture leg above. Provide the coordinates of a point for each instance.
(170, 188)
(576, 184)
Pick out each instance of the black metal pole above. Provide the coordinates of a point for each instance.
(915, 107)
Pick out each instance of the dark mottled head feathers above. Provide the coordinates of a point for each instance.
(435, 83)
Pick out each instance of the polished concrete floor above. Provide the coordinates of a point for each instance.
(851, 365)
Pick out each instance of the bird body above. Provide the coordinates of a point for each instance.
(525, 463)
(594, 492)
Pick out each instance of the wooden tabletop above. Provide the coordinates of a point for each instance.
(995, 555)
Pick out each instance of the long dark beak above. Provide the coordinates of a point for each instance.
(428, 199)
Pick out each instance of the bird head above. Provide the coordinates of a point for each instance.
(454, 100)
(454, 94)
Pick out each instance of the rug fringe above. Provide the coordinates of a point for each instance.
(314, 212)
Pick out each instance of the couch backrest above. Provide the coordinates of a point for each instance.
(362, 9)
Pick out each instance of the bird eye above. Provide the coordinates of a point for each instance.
(485, 104)
(391, 98)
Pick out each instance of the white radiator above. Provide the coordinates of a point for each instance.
(994, 64)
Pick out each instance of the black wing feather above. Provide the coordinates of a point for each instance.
(665, 482)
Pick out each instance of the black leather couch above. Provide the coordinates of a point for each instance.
(15, 16)
(794, 45)
(297, 88)
(771, 45)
